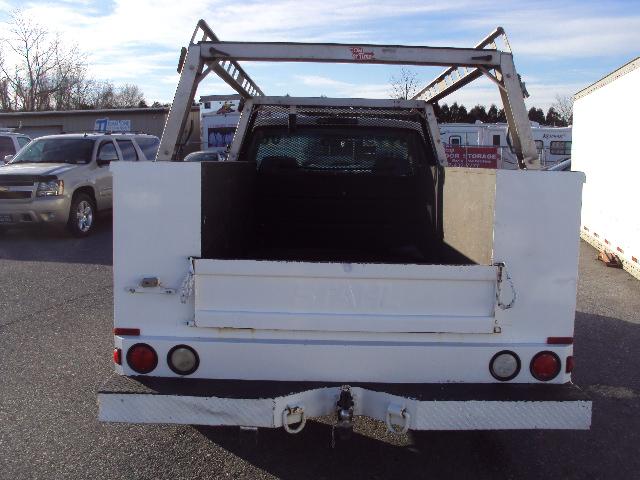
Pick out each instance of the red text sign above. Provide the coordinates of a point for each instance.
(474, 157)
(358, 53)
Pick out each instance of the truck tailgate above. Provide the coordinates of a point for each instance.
(272, 295)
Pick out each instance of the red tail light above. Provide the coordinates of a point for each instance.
(117, 356)
(142, 358)
(126, 331)
(570, 364)
(545, 366)
(560, 340)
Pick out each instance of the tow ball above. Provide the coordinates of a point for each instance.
(343, 428)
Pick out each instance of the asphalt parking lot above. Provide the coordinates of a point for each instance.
(56, 343)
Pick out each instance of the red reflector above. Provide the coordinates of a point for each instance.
(570, 364)
(117, 356)
(545, 366)
(127, 331)
(560, 340)
(142, 358)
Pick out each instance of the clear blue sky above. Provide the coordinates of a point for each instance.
(559, 46)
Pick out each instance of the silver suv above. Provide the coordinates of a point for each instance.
(11, 142)
(65, 179)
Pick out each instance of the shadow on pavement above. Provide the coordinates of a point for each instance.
(40, 244)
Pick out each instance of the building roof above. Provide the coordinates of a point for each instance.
(623, 70)
(219, 98)
(100, 111)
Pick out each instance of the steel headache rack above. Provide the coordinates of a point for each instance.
(210, 54)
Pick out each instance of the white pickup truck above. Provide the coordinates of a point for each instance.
(334, 265)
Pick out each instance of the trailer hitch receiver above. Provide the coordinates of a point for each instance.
(343, 428)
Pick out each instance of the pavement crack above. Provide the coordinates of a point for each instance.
(55, 306)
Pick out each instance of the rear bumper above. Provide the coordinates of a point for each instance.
(414, 406)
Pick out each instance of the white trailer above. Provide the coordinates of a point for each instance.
(328, 268)
(611, 167)
(552, 143)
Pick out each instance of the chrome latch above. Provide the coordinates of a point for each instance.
(151, 285)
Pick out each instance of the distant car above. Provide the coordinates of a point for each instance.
(10, 144)
(563, 166)
(205, 156)
(65, 179)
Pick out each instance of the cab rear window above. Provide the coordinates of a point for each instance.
(129, 153)
(149, 146)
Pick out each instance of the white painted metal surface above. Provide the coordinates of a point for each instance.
(254, 354)
(610, 199)
(422, 415)
(348, 53)
(344, 297)
(540, 248)
(156, 227)
(147, 244)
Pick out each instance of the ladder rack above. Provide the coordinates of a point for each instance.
(454, 78)
(210, 54)
(228, 70)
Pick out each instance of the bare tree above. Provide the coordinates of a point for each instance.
(564, 108)
(405, 85)
(129, 95)
(45, 74)
(44, 70)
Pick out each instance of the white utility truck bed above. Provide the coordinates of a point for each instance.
(334, 265)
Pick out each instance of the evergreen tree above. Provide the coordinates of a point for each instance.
(478, 113)
(553, 118)
(445, 114)
(536, 115)
(492, 114)
(463, 115)
(454, 111)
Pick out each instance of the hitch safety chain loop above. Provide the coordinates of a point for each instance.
(400, 412)
(293, 411)
(503, 274)
(186, 290)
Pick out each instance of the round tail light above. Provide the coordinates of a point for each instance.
(142, 358)
(183, 360)
(504, 366)
(545, 366)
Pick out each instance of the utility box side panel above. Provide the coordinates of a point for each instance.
(156, 228)
(611, 165)
(469, 201)
(536, 234)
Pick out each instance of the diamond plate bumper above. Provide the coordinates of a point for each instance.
(261, 404)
